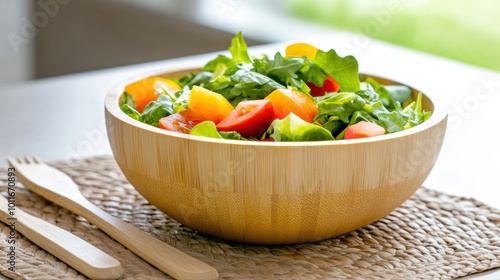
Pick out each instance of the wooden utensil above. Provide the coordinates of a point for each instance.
(59, 188)
(69, 248)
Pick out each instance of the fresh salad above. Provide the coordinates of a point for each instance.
(304, 95)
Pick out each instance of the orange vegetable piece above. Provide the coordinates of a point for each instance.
(286, 101)
(208, 104)
(144, 91)
(301, 49)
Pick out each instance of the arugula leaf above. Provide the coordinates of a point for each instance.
(199, 79)
(293, 128)
(284, 69)
(344, 70)
(415, 112)
(392, 121)
(155, 110)
(238, 49)
(311, 72)
(126, 98)
(180, 100)
(290, 71)
(245, 84)
(131, 112)
(337, 109)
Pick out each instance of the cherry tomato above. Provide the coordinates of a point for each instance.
(249, 118)
(181, 122)
(286, 101)
(363, 129)
(330, 85)
(144, 91)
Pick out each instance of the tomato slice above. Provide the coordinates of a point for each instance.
(363, 129)
(330, 85)
(249, 118)
(181, 122)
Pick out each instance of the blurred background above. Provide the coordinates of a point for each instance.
(44, 38)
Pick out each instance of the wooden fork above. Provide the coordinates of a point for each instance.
(59, 188)
(69, 248)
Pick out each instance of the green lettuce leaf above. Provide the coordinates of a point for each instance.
(293, 128)
(344, 70)
(208, 129)
(238, 49)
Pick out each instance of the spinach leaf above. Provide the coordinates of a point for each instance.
(399, 93)
(344, 70)
(200, 79)
(293, 128)
(155, 110)
(220, 59)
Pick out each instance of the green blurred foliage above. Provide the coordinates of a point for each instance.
(464, 30)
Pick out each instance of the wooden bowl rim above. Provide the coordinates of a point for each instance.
(113, 95)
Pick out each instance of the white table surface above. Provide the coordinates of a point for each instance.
(62, 118)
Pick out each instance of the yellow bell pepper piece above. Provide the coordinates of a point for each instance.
(208, 104)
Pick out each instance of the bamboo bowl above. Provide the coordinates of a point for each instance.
(273, 192)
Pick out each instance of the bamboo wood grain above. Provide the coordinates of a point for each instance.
(57, 187)
(69, 248)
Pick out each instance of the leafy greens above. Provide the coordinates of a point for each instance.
(240, 77)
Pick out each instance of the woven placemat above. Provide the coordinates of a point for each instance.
(431, 236)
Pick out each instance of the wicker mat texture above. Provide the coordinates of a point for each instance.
(431, 236)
